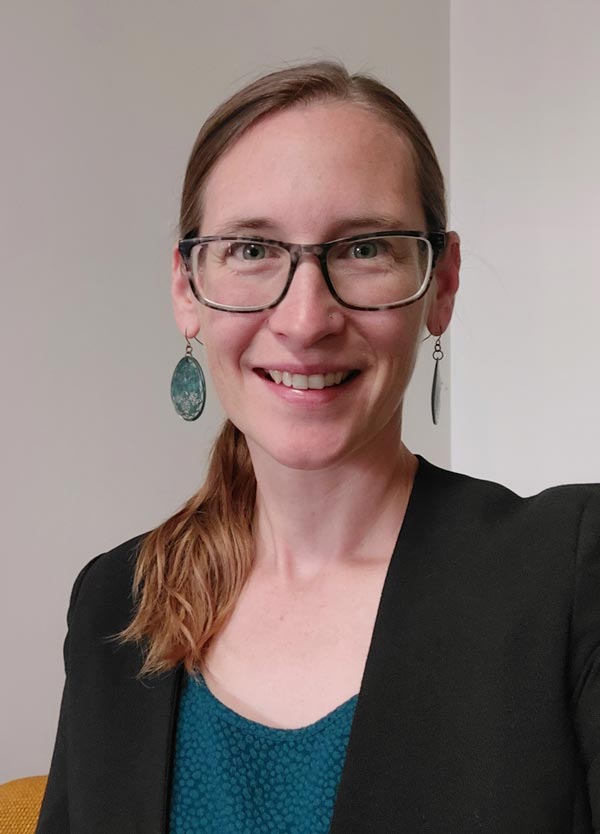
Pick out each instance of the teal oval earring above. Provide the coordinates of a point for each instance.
(188, 385)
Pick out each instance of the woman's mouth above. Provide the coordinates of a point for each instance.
(304, 382)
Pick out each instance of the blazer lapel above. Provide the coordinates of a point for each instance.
(140, 729)
(120, 765)
(385, 764)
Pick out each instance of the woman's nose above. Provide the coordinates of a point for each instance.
(308, 312)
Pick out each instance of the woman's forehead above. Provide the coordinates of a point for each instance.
(319, 131)
(329, 157)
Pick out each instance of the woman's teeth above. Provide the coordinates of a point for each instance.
(303, 382)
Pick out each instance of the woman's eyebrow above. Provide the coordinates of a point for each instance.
(239, 225)
(367, 223)
(339, 228)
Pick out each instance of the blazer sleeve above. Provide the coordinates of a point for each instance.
(585, 648)
(54, 813)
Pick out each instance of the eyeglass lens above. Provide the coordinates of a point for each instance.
(365, 273)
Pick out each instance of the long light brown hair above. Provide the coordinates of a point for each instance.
(191, 569)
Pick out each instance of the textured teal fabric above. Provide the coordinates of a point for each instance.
(236, 776)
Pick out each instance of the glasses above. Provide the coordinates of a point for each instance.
(378, 271)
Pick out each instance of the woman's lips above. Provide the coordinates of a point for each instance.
(304, 382)
(288, 379)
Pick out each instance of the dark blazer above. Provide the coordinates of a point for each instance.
(479, 708)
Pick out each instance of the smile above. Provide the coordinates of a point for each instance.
(303, 382)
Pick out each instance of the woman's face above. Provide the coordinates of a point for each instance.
(307, 175)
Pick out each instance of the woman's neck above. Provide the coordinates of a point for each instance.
(312, 522)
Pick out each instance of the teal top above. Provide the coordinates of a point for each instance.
(236, 776)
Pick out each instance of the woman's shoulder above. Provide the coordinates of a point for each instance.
(108, 577)
(118, 561)
(459, 486)
(514, 550)
(462, 502)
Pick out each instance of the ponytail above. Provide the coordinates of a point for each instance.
(191, 569)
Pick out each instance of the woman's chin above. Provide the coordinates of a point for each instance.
(307, 454)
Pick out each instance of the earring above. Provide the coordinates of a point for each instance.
(188, 386)
(436, 386)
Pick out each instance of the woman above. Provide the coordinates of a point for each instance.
(332, 634)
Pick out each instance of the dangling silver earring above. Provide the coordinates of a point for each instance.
(188, 386)
(436, 386)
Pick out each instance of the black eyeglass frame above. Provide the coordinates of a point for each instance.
(437, 241)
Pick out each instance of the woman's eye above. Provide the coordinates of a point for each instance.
(248, 251)
(254, 252)
(368, 249)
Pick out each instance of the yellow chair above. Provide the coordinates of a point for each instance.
(20, 802)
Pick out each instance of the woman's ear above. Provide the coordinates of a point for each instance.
(185, 304)
(445, 286)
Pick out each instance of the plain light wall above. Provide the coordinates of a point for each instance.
(525, 174)
(101, 104)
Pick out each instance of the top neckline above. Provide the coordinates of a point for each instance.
(257, 728)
